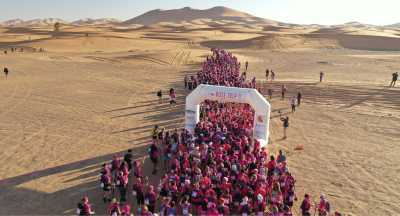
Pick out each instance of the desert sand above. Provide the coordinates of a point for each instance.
(66, 111)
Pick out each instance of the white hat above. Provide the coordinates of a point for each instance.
(260, 197)
(223, 138)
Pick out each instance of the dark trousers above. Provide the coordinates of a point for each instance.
(294, 108)
(123, 193)
(393, 82)
(151, 209)
(320, 79)
(129, 165)
(298, 100)
(283, 95)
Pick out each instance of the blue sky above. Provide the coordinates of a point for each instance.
(326, 12)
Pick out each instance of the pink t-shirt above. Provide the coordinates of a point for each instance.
(201, 212)
(212, 213)
(173, 96)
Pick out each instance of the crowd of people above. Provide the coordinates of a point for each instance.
(217, 169)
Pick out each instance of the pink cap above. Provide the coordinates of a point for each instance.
(151, 188)
(115, 156)
(279, 193)
(139, 180)
(85, 199)
(127, 208)
(175, 161)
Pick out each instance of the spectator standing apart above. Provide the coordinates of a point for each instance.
(320, 76)
(128, 159)
(247, 64)
(322, 205)
(159, 94)
(267, 74)
(29, 38)
(285, 126)
(190, 86)
(186, 82)
(154, 132)
(272, 76)
(172, 100)
(6, 71)
(394, 79)
(270, 91)
(294, 103)
(283, 89)
(298, 98)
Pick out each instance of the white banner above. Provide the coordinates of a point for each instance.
(190, 118)
(225, 95)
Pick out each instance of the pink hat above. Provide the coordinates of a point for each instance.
(175, 161)
(115, 156)
(139, 180)
(85, 199)
(151, 188)
(127, 208)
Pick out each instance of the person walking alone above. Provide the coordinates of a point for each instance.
(6, 71)
(394, 79)
(267, 74)
(294, 103)
(298, 98)
(285, 126)
(159, 94)
(283, 89)
(320, 76)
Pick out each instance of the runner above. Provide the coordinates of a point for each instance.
(202, 209)
(84, 208)
(150, 199)
(172, 211)
(306, 205)
(164, 206)
(159, 94)
(153, 155)
(105, 182)
(145, 212)
(126, 211)
(290, 196)
(294, 103)
(322, 206)
(283, 90)
(137, 190)
(121, 182)
(287, 211)
(260, 205)
(167, 156)
(136, 168)
(244, 207)
(114, 207)
(172, 100)
(186, 206)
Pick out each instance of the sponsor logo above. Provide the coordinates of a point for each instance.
(189, 111)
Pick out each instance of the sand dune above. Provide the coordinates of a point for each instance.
(19, 22)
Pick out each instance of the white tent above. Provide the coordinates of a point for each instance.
(230, 94)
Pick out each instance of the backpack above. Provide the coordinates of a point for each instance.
(328, 206)
(114, 211)
(260, 207)
(245, 209)
(174, 148)
(134, 171)
(136, 189)
(112, 165)
(150, 197)
(283, 157)
(173, 166)
(303, 206)
(103, 182)
(221, 209)
(159, 94)
(81, 209)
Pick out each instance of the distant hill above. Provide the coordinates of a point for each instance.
(90, 21)
(188, 15)
(18, 22)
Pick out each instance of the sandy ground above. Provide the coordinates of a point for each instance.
(88, 98)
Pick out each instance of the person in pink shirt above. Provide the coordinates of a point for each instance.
(126, 211)
(145, 211)
(283, 89)
(121, 182)
(186, 206)
(260, 205)
(164, 206)
(150, 199)
(197, 197)
(322, 206)
(212, 211)
(244, 207)
(223, 210)
(114, 207)
(172, 100)
(272, 165)
(203, 208)
(114, 166)
(84, 208)
(137, 190)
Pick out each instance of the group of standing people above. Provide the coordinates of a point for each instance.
(217, 169)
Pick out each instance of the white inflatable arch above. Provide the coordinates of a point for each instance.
(230, 94)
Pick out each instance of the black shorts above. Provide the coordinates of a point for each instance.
(140, 200)
(172, 101)
(289, 203)
(196, 203)
(151, 209)
(163, 192)
(154, 137)
(154, 160)
(106, 189)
